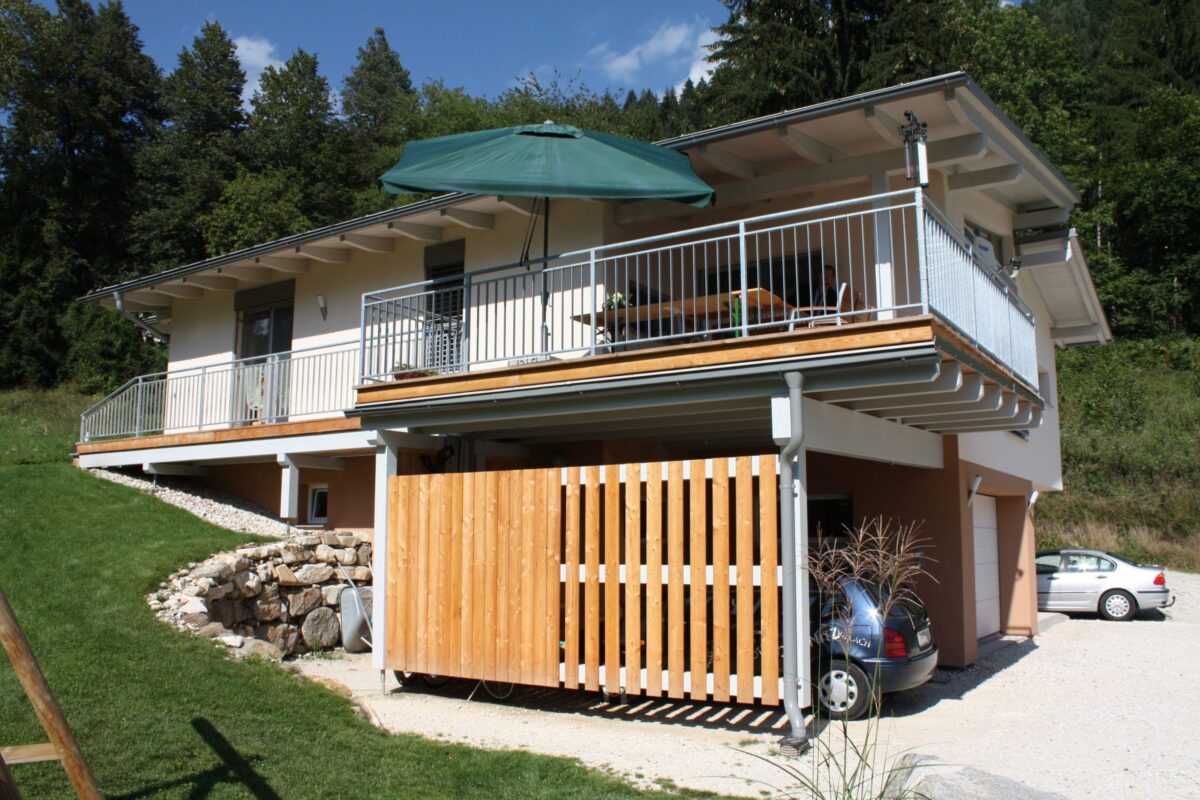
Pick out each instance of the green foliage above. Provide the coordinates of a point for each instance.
(1130, 417)
(40, 426)
(255, 207)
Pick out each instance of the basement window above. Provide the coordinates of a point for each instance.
(318, 504)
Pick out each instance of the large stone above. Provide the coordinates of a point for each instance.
(359, 574)
(347, 556)
(349, 539)
(221, 591)
(364, 554)
(267, 606)
(247, 583)
(331, 538)
(259, 649)
(219, 571)
(326, 554)
(214, 630)
(321, 629)
(292, 553)
(312, 573)
(330, 594)
(228, 612)
(308, 539)
(235, 561)
(285, 637)
(303, 601)
(285, 576)
(194, 605)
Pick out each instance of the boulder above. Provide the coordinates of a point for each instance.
(303, 601)
(194, 605)
(347, 556)
(195, 619)
(259, 649)
(364, 554)
(247, 583)
(231, 640)
(219, 571)
(321, 629)
(308, 539)
(349, 539)
(330, 594)
(221, 591)
(285, 576)
(285, 637)
(326, 554)
(310, 574)
(292, 553)
(213, 630)
(359, 574)
(267, 605)
(330, 538)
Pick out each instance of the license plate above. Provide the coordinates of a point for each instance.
(924, 638)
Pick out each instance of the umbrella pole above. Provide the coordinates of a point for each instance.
(545, 263)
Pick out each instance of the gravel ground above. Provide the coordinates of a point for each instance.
(218, 508)
(1088, 709)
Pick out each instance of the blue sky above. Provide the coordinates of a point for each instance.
(481, 46)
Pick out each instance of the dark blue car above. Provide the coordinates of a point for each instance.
(858, 655)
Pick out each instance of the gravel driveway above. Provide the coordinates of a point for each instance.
(1088, 709)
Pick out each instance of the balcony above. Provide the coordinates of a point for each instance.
(294, 386)
(864, 265)
(869, 259)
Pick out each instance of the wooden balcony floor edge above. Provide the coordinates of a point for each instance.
(762, 347)
(270, 430)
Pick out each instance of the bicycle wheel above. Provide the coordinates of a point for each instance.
(499, 690)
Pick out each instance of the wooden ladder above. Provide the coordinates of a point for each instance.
(62, 745)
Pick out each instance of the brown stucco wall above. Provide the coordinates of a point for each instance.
(257, 482)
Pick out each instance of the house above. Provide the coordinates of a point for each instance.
(518, 434)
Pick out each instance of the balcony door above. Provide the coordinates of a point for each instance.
(443, 316)
(261, 379)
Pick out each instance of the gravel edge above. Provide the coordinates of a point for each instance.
(218, 508)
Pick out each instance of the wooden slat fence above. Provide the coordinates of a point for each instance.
(659, 579)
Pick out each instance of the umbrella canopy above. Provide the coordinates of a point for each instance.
(547, 160)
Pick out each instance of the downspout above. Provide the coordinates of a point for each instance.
(797, 741)
(165, 338)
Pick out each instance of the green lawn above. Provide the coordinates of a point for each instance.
(163, 714)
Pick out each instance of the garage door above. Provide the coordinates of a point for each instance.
(987, 567)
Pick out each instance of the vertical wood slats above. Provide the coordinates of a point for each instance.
(660, 580)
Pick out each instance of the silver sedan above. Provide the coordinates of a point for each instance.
(1093, 580)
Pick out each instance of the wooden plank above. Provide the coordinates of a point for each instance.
(612, 582)
(633, 581)
(28, 753)
(539, 633)
(768, 559)
(654, 542)
(479, 569)
(420, 584)
(491, 606)
(527, 533)
(453, 573)
(571, 587)
(744, 535)
(45, 705)
(438, 556)
(808, 341)
(698, 561)
(244, 433)
(551, 479)
(399, 507)
(675, 587)
(466, 561)
(720, 589)
(591, 554)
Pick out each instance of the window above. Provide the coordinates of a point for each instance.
(318, 504)
(1048, 564)
(1086, 562)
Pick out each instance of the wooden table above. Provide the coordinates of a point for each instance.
(759, 302)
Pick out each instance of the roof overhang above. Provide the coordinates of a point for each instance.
(1055, 263)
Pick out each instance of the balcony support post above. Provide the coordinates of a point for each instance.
(137, 415)
(922, 253)
(592, 281)
(743, 300)
(385, 467)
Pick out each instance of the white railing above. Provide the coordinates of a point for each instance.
(870, 258)
(292, 386)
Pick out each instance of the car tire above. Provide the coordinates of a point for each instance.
(842, 690)
(1117, 605)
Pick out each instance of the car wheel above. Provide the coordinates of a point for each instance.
(1117, 606)
(843, 690)
(435, 681)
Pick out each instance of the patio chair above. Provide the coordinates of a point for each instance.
(799, 314)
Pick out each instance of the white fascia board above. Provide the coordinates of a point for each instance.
(243, 449)
(840, 431)
(1083, 279)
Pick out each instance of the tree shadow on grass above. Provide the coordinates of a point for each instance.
(233, 769)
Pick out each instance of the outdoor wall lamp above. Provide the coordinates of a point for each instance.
(322, 307)
(978, 479)
(1033, 496)
(1014, 266)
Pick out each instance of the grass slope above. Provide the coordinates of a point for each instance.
(164, 714)
(1131, 452)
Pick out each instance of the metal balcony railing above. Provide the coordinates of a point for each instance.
(291, 386)
(869, 258)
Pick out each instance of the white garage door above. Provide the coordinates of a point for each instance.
(987, 567)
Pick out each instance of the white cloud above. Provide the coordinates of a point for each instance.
(673, 44)
(255, 53)
(700, 69)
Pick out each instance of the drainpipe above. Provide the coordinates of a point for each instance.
(141, 323)
(797, 742)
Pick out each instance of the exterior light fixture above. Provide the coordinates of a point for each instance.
(1033, 496)
(322, 307)
(978, 479)
(1014, 266)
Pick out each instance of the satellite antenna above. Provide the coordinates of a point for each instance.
(915, 134)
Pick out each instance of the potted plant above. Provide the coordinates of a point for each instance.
(404, 371)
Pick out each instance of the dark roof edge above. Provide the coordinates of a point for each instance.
(441, 201)
(951, 80)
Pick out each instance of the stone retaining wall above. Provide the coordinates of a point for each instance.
(270, 600)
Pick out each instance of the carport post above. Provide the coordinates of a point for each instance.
(787, 428)
(385, 468)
